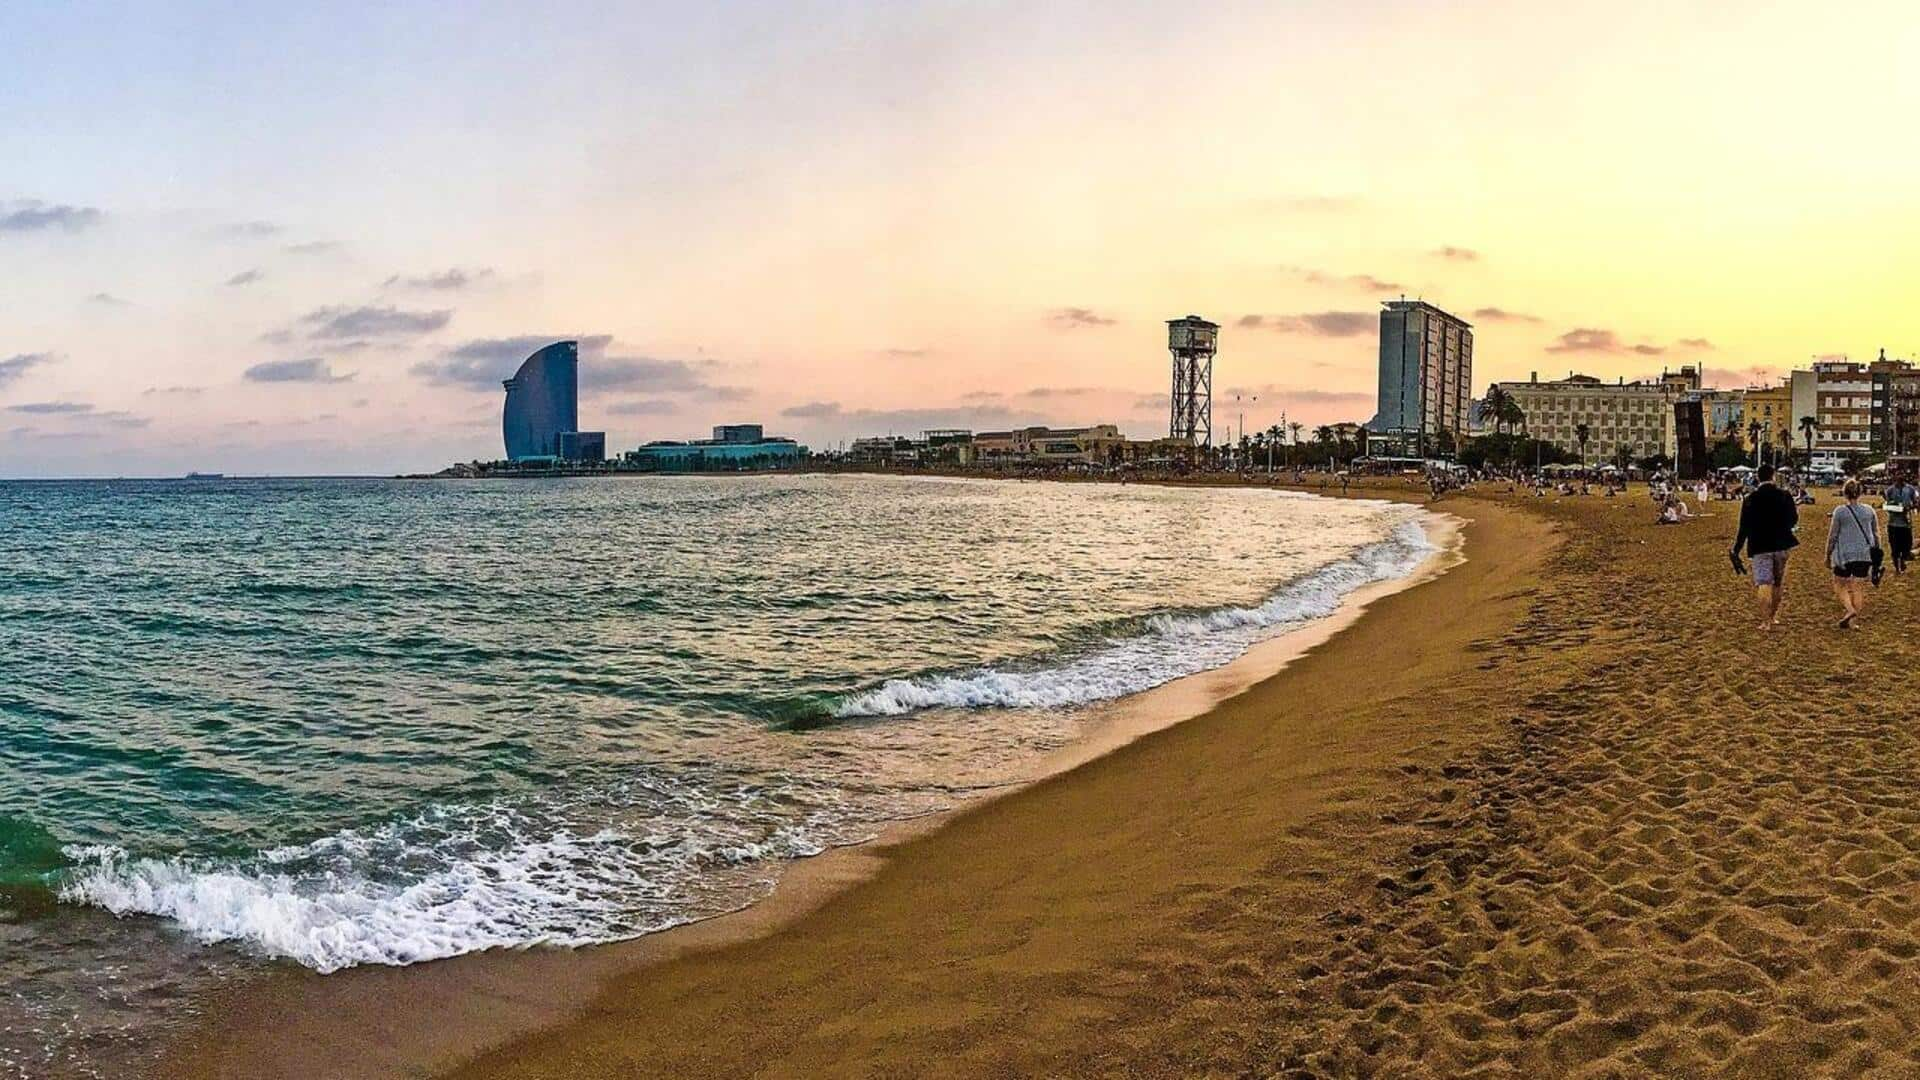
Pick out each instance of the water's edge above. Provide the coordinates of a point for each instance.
(544, 988)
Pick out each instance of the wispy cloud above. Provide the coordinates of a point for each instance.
(1591, 340)
(1078, 317)
(813, 410)
(313, 247)
(1695, 343)
(312, 369)
(80, 410)
(644, 407)
(482, 364)
(13, 368)
(907, 421)
(32, 215)
(246, 277)
(1317, 324)
(332, 323)
(908, 354)
(645, 373)
(443, 281)
(1494, 314)
(1363, 282)
(1455, 254)
(106, 300)
(173, 391)
(252, 228)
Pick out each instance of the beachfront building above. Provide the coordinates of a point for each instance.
(1426, 380)
(1095, 445)
(1635, 417)
(884, 450)
(543, 400)
(1903, 409)
(1889, 379)
(734, 448)
(1771, 407)
(1843, 410)
(583, 446)
(1726, 415)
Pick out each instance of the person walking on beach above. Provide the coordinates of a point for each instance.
(1853, 549)
(1767, 521)
(1899, 501)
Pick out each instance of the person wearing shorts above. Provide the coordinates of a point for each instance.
(1767, 520)
(1852, 536)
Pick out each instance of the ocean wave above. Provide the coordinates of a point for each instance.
(456, 880)
(1169, 647)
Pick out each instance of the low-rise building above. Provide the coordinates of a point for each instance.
(1636, 417)
(583, 446)
(1099, 444)
(1771, 407)
(747, 450)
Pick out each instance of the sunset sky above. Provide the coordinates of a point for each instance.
(314, 240)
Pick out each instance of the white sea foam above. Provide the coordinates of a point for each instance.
(453, 881)
(1171, 646)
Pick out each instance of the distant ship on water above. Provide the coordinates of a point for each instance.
(206, 476)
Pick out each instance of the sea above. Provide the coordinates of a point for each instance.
(346, 722)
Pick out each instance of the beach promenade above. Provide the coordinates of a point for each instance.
(1560, 811)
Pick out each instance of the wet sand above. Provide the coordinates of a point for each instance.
(297, 1024)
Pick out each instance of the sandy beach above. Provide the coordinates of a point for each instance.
(1559, 811)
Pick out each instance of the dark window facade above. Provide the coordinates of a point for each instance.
(543, 400)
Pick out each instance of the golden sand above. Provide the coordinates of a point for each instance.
(1561, 811)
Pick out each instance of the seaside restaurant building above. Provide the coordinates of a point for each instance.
(733, 448)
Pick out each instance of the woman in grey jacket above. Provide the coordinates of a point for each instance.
(1852, 535)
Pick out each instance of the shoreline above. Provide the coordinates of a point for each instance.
(280, 1023)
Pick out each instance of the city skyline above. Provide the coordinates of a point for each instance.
(316, 242)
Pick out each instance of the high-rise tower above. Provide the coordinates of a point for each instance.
(1192, 342)
(543, 400)
(1426, 379)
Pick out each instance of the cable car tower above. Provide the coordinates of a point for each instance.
(1192, 342)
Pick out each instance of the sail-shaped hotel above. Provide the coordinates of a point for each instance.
(542, 414)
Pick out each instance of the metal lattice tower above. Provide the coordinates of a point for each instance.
(1192, 342)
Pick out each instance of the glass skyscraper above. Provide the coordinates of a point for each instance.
(543, 400)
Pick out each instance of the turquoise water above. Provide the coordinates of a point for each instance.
(346, 722)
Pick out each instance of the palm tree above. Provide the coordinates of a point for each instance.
(1785, 438)
(1582, 432)
(1323, 435)
(1275, 437)
(1807, 427)
(1495, 406)
(1753, 436)
(1514, 415)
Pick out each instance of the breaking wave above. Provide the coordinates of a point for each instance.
(1165, 648)
(458, 879)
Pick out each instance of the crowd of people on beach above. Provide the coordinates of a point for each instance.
(1770, 519)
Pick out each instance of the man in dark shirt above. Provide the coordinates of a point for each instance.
(1767, 521)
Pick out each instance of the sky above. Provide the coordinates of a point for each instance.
(257, 238)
